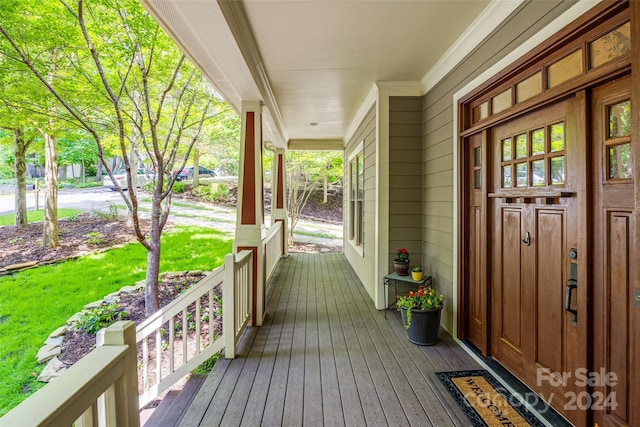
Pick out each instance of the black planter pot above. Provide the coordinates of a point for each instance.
(401, 267)
(424, 327)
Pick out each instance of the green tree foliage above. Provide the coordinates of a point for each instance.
(121, 80)
(306, 172)
(223, 148)
(77, 148)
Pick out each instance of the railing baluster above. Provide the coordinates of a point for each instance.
(185, 332)
(158, 356)
(145, 364)
(89, 418)
(171, 345)
(198, 320)
(110, 410)
(211, 332)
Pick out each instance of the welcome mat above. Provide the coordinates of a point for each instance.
(485, 401)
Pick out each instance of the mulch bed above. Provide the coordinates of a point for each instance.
(21, 245)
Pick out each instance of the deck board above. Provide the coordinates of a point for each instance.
(325, 356)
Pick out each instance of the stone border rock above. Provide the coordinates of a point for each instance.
(52, 346)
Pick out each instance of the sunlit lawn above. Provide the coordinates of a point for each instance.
(34, 303)
(35, 216)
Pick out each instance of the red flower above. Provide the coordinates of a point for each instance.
(402, 255)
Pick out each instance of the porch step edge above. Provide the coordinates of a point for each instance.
(177, 407)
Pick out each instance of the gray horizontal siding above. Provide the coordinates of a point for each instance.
(405, 177)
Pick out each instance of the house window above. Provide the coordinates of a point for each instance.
(527, 156)
(356, 197)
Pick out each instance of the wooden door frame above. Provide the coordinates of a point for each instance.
(463, 292)
(606, 11)
(634, 380)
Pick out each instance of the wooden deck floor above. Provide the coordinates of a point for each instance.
(326, 356)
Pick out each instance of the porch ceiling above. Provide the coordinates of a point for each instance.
(312, 61)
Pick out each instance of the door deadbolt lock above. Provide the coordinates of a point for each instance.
(573, 253)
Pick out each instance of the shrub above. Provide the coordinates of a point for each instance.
(216, 192)
(111, 214)
(94, 238)
(178, 187)
(94, 319)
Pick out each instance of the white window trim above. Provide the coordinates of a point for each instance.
(355, 151)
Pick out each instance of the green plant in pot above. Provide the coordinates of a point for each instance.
(420, 312)
(401, 263)
(416, 273)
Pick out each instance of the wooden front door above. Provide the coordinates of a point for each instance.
(537, 220)
(613, 291)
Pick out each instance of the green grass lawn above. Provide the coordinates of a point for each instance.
(35, 302)
(35, 216)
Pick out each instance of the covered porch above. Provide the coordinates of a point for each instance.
(325, 356)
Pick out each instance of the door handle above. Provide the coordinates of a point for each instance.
(568, 296)
(526, 239)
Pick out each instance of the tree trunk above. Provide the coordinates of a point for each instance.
(293, 201)
(99, 171)
(50, 228)
(20, 146)
(114, 163)
(133, 163)
(196, 168)
(151, 304)
(326, 190)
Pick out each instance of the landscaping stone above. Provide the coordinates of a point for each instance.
(94, 304)
(171, 274)
(21, 265)
(111, 299)
(195, 272)
(47, 352)
(57, 341)
(129, 289)
(53, 369)
(58, 332)
(73, 319)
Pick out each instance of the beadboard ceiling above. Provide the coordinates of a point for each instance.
(313, 62)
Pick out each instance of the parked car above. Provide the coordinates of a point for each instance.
(144, 177)
(187, 172)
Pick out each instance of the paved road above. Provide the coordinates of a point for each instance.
(186, 212)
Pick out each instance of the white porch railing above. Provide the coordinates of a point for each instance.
(175, 335)
(104, 379)
(273, 249)
(102, 388)
(237, 293)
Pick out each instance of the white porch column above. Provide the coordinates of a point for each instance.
(250, 230)
(279, 196)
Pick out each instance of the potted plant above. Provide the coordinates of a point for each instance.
(420, 312)
(416, 273)
(401, 263)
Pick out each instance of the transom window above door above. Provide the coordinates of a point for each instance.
(533, 158)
